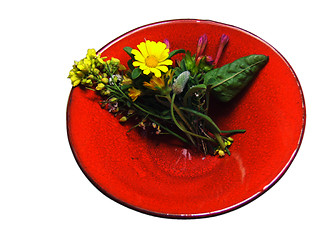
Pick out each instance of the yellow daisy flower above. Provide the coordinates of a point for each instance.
(152, 57)
(134, 93)
(155, 83)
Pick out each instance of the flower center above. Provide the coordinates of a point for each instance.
(151, 61)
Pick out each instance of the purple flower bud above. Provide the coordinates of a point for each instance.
(209, 59)
(166, 41)
(202, 43)
(223, 42)
(224, 39)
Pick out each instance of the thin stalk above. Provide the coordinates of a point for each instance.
(171, 100)
(204, 117)
(208, 90)
(233, 131)
(182, 128)
(220, 141)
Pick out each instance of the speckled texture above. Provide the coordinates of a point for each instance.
(163, 177)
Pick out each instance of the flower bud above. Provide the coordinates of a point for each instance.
(180, 82)
(89, 82)
(209, 59)
(76, 82)
(230, 139)
(105, 92)
(90, 76)
(80, 74)
(166, 41)
(96, 71)
(123, 119)
(113, 99)
(105, 80)
(221, 153)
(126, 81)
(202, 43)
(83, 81)
(100, 86)
(223, 42)
(91, 53)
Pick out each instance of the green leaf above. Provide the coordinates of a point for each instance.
(183, 65)
(136, 73)
(227, 81)
(174, 52)
(128, 51)
(130, 61)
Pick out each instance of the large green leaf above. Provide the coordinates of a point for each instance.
(227, 81)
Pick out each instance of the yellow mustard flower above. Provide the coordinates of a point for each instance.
(134, 93)
(126, 80)
(100, 86)
(152, 57)
(75, 78)
(116, 61)
(91, 54)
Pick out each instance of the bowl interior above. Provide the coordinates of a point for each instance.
(162, 177)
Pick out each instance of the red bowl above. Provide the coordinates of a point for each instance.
(163, 178)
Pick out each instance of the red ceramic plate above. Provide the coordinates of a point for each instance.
(163, 178)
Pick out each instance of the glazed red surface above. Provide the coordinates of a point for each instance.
(161, 176)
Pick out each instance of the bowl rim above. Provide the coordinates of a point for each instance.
(204, 214)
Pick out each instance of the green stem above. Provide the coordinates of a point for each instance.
(207, 119)
(171, 100)
(220, 141)
(233, 131)
(160, 101)
(182, 128)
(207, 99)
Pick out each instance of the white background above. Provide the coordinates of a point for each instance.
(43, 193)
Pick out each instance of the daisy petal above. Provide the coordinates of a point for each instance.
(137, 55)
(164, 55)
(156, 72)
(143, 49)
(136, 63)
(143, 66)
(146, 71)
(166, 62)
(163, 68)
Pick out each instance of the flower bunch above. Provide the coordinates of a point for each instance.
(166, 96)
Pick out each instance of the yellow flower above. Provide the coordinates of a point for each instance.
(91, 54)
(134, 93)
(126, 81)
(100, 86)
(163, 83)
(169, 75)
(152, 57)
(75, 78)
(116, 62)
(113, 60)
(156, 83)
